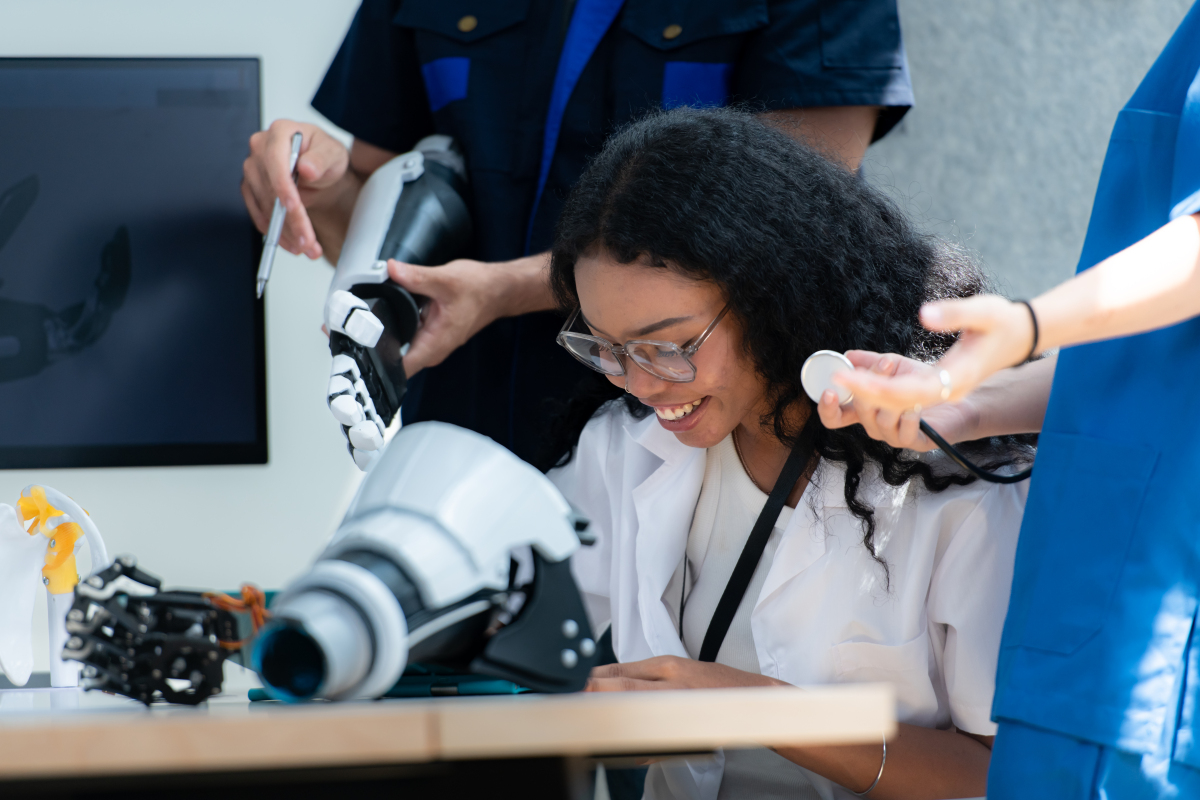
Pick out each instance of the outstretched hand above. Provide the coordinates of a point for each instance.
(672, 672)
(901, 429)
(996, 333)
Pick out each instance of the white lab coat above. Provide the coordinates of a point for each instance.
(824, 614)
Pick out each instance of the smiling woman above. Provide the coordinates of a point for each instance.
(704, 256)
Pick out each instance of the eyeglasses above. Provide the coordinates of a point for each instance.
(665, 360)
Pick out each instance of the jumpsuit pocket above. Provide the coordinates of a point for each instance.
(473, 56)
(465, 21)
(1080, 520)
(860, 34)
(674, 24)
(696, 42)
(905, 666)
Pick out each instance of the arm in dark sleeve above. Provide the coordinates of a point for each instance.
(828, 53)
(373, 88)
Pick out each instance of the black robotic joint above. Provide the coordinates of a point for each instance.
(549, 646)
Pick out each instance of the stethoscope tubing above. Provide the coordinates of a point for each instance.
(962, 461)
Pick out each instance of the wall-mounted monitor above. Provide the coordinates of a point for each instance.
(130, 334)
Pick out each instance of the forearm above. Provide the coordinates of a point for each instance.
(1149, 285)
(1010, 401)
(839, 132)
(330, 213)
(522, 286)
(921, 763)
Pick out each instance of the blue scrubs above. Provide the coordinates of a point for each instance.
(531, 89)
(1099, 668)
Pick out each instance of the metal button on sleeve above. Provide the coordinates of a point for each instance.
(672, 31)
(570, 628)
(588, 648)
(468, 23)
(569, 658)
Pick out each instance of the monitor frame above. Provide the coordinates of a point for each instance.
(176, 454)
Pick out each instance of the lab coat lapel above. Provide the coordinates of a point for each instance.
(664, 504)
(804, 538)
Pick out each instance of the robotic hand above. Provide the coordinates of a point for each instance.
(32, 335)
(135, 639)
(411, 209)
(420, 570)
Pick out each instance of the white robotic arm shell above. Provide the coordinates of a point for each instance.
(425, 550)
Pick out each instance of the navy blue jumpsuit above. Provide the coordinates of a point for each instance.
(531, 88)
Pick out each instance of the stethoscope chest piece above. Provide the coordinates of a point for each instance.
(817, 375)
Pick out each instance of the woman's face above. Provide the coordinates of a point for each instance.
(620, 302)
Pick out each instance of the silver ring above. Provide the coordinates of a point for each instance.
(944, 377)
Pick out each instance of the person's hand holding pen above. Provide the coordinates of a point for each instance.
(323, 169)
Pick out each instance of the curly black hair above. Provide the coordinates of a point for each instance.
(808, 255)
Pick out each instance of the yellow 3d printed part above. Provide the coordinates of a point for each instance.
(43, 531)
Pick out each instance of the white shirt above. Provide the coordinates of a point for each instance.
(823, 613)
(729, 505)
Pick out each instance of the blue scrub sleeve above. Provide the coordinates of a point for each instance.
(828, 53)
(1185, 182)
(373, 88)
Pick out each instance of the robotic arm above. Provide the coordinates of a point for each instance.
(419, 570)
(411, 209)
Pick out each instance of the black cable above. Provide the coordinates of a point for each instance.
(962, 461)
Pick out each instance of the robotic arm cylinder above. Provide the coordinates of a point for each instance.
(410, 209)
(421, 570)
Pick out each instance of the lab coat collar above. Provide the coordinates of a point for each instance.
(658, 440)
(664, 504)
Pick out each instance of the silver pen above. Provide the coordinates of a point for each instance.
(278, 213)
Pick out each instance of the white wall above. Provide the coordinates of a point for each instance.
(214, 527)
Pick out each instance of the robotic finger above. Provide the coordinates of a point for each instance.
(351, 405)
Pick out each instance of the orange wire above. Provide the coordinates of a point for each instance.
(253, 601)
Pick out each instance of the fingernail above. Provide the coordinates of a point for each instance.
(303, 241)
(884, 365)
(931, 315)
(828, 396)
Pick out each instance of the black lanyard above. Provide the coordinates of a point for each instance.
(747, 562)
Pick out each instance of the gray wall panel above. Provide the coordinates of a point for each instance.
(1014, 104)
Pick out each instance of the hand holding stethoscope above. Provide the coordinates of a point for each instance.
(918, 406)
(901, 429)
(996, 333)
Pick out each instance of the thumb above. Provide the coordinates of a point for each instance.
(419, 280)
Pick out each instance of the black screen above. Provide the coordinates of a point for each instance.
(129, 329)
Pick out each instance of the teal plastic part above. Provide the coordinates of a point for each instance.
(422, 680)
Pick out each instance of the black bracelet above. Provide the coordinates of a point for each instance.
(1032, 318)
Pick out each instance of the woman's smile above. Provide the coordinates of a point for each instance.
(680, 417)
